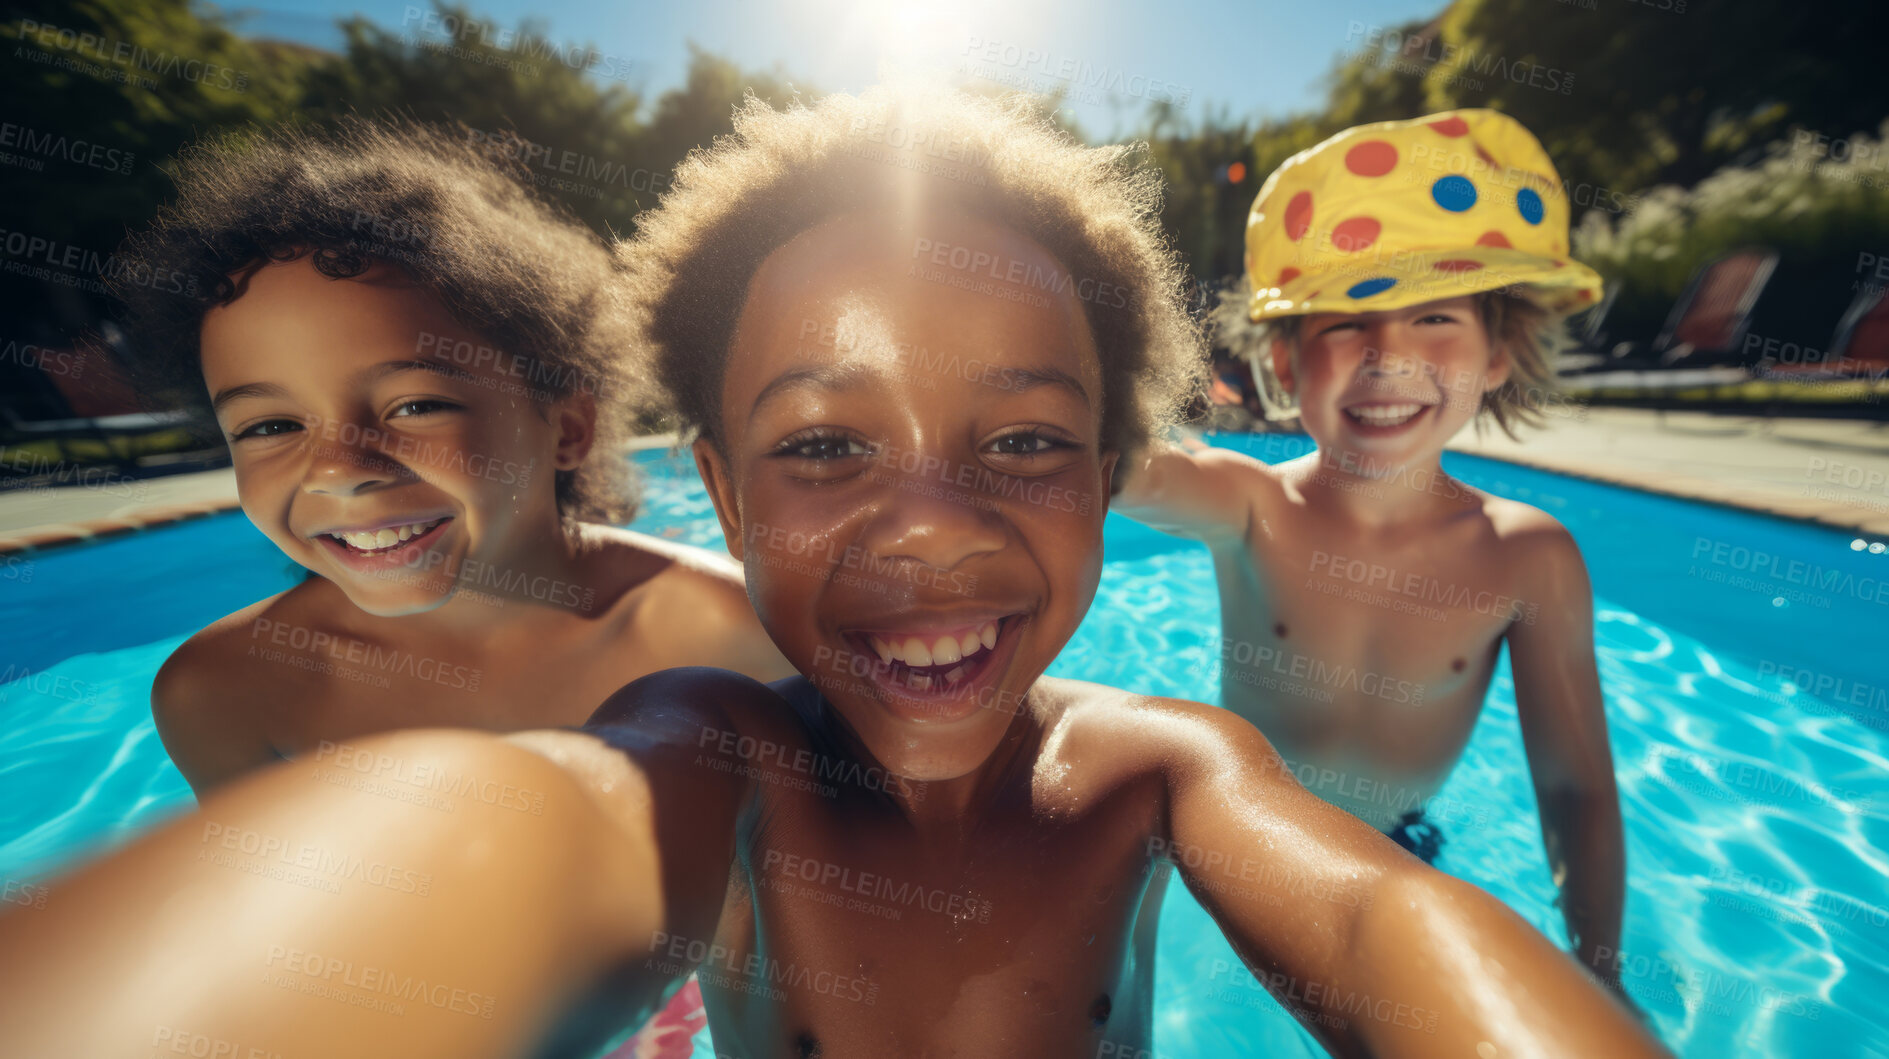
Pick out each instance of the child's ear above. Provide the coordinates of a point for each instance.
(576, 420)
(1110, 460)
(1281, 354)
(713, 467)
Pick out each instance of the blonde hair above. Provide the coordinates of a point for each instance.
(1529, 334)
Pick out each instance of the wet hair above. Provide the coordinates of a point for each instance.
(1529, 334)
(783, 172)
(450, 210)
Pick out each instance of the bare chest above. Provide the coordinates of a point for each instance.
(319, 687)
(1324, 646)
(866, 941)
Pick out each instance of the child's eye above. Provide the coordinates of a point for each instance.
(268, 428)
(1346, 325)
(1438, 318)
(420, 406)
(821, 447)
(1028, 443)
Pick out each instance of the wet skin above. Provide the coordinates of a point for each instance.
(703, 821)
(342, 415)
(1366, 595)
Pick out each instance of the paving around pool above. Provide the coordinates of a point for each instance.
(1830, 472)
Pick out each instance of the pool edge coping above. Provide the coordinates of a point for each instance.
(1832, 515)
(1840, 516)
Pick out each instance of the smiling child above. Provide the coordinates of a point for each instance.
(920, 845)
(1407, 278)
(403, 347)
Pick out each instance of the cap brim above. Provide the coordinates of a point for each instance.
(1414, 277)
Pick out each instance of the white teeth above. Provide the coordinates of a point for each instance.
(945, 650)
(951, 676)
(375, 540)
(1384, 414)
(916, 653)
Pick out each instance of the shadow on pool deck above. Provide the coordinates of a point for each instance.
(1832, 472)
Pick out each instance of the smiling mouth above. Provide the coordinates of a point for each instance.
(1385, 414)
(384, 541)
(932, 665)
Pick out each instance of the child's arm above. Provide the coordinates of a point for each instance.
(1203, 493)
(1564, 728)
(1380, 954)
(513, 896)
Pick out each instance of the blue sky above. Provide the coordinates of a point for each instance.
(1244, 57)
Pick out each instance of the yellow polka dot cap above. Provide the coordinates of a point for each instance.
(1399, 213)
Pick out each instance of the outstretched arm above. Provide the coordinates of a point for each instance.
(1564, 728)
(427, 893)
(1376, 952)
(1198, 492)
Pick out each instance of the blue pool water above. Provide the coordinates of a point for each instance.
(1746, 699)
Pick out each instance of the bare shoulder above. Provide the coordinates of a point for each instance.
(213, 661)
(695, 602)
(205, 698)
(1116, 734)
(1529, 536)
(667, 568)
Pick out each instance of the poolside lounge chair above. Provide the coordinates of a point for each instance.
(1699, 345)
(106, 420)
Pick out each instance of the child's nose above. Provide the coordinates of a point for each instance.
(348, 463)
(1386, 360)
(932, 520)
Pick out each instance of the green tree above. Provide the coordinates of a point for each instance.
(100, 92)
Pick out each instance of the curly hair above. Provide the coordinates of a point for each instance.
(451, 210)
(783, 172)
(1529, 334)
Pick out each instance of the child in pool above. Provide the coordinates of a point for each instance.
(920, 846)
(400, 341)
(1407, 277)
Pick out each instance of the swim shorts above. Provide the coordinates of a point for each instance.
(1419, 835)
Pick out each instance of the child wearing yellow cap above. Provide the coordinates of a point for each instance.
(1403, 279)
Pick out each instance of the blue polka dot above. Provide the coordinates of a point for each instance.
(1454, 193)
(1530, 204)
(1370, 287)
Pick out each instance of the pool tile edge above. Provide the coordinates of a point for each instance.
(47, 537)
(1826, 514)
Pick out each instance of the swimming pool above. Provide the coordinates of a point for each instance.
(1742, 659)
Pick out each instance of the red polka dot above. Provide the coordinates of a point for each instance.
(1457, 266)
(1287, 275)
(1497, 239)
(1560, 264)
(1298, 215)
(1355, 233)
(1371, 158)
(1587, 295)
(1451, 126)
(1485, 155)
(1314, 294)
